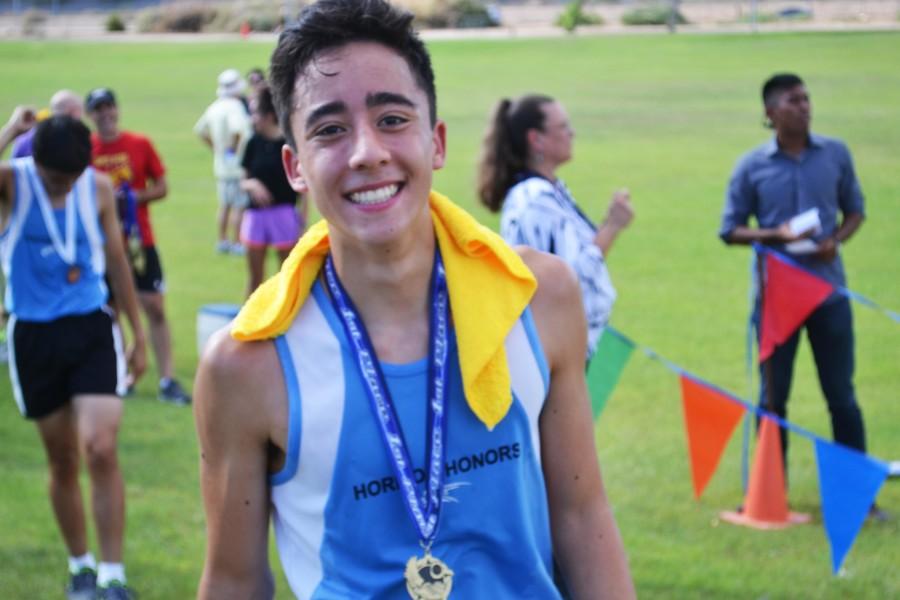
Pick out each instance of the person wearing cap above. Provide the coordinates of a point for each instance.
(138, 174)
(67, 366)
(225, 127)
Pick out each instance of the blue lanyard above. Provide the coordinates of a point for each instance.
(127, 204)
(423, 510)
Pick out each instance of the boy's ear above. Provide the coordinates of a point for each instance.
(293, 170)
(439, 141)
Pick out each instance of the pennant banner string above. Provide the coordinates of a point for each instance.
(894, 316)
(750, 407)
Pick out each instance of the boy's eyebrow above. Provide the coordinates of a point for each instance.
(330, 108)
(372, 100)
(382, 98)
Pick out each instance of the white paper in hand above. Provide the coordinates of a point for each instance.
(806, 222)
(801, 247)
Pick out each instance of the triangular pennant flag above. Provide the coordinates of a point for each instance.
(790, 295)
(710, 418)
(848, 483)
(606, 366)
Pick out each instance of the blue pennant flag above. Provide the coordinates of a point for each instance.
(848, 483)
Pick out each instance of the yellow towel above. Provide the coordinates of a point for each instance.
(489, 288)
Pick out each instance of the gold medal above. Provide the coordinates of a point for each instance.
(428, 578)
(73, 274)
(137, 255)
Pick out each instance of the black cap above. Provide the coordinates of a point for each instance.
(99, 96)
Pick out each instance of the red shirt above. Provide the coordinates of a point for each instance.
(130, 158)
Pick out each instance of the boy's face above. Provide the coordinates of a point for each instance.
(365, 146)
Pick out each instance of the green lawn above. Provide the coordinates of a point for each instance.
(666, 116)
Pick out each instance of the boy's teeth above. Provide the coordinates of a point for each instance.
(374, 196)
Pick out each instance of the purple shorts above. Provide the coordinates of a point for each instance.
(277, 226)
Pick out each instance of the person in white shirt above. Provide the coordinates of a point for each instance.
(225, 127)
(528, 139)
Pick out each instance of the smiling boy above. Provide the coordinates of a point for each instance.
(406, 398)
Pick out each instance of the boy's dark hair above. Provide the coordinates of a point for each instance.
(329, 24)
(63, 144)
(778, 83)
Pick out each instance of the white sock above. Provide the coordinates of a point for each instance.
(163, 382)
(110, 572)
(77, 563)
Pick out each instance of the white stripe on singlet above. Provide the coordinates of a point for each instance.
(19, 212)
(89, 213)
(119, 346)
(300, 500)
(13, 369)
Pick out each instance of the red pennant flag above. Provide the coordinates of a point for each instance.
(790, 295)
(710, 418)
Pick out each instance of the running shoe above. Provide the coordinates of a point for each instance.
(173, 393)
(115, 590)
(82, 585)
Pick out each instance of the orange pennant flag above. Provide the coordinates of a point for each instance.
(710, 418)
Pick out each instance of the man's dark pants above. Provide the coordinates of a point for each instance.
(830, 332)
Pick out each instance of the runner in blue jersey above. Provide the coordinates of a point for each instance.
(405, 399)
(67, 365)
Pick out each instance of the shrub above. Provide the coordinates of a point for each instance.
(187, 20)
(788, 14)
(114, 23)
(260, 17)
(176, 19)
(438, 14)
(652, 15)
(574, 15)
(471, 13)
(148, 20)
(33, 22)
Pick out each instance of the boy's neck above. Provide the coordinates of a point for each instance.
(391, 288)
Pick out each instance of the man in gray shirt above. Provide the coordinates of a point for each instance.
(792, 173)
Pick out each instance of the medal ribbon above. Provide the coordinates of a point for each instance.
(65, 249)
(423, 510)
(127, 202)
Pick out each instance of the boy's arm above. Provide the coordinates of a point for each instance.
(238, 393)
(586, 540)
(119, 273)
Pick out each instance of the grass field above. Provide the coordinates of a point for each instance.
(666, 116)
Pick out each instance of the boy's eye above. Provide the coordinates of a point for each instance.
(393, 120)
(328, 130)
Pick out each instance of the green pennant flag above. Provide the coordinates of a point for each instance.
(606, 366)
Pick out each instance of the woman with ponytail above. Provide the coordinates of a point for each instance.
(528, 139)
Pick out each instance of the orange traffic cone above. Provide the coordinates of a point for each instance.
(765, 506)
